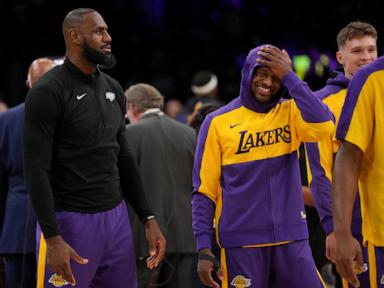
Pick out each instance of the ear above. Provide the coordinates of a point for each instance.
(75, 36)
(135, 110)
(28, 83)
(339, 58)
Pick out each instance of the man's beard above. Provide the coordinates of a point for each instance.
(106, 61)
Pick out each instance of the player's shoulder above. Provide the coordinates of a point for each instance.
(371, 72)
(226, 109)
(110, 80)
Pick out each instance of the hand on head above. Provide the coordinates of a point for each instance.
(275, 59)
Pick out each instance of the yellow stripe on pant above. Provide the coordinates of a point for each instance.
(223, 260)
(372, 265)
(41, 262)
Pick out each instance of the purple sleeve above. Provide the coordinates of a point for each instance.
(354, 88)
(311, 108)
(201, 139)
(321, 187)
(202, 220)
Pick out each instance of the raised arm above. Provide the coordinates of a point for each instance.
(315, 120)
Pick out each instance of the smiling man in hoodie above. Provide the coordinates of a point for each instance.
(246, 177)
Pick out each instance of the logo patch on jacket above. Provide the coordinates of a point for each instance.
(110, 96)
(57, 280)
(249, 140)
(241, 282)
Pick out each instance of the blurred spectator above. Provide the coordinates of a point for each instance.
(17, 221)
(199, 115)
(204, 87)
(3, 106)
(164, 150)
(173, 107)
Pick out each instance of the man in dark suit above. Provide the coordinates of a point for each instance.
(164, 150)
(17, 221)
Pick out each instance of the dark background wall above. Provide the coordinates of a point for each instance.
(164, 42)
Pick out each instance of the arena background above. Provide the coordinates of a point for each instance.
(163, 42)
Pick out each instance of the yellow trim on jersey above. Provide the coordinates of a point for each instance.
(309, 172)
(224, 270)
(210, 171)
(41, 262)
(367, 113)
(372, 265)
(329, 145)
(219, 206)
(366, 131)
(259, 136)
(321, 279)
(242, 135)
(344, 283)
(266, 245)
(335, 103)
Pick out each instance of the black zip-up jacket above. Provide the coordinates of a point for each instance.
(75, 150)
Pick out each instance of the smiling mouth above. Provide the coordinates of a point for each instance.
(106, 49)
(264, 91)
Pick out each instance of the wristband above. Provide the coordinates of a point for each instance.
(148, 218)
(216, 263)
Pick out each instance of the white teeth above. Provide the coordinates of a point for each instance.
(264, 89)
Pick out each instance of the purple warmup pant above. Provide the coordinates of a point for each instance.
(376, 265)
(288, 265)
(105, 239)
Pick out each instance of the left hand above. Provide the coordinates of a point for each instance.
(347, 250)
(275, 59)
(156, 243)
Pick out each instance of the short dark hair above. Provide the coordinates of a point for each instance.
(75, 16)
(355, 29)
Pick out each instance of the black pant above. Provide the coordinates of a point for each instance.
(173, 272)
(20, 270)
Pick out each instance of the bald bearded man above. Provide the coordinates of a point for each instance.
(79, 168)
(17, 221)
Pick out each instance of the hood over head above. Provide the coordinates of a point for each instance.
(246, 95)
(338, 78)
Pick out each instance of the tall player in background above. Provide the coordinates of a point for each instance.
(357, 48)
(359, 166)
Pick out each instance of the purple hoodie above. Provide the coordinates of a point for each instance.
(320, 185)
(246, 169)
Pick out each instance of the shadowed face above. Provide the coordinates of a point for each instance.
(265, 84)
(96, 46)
